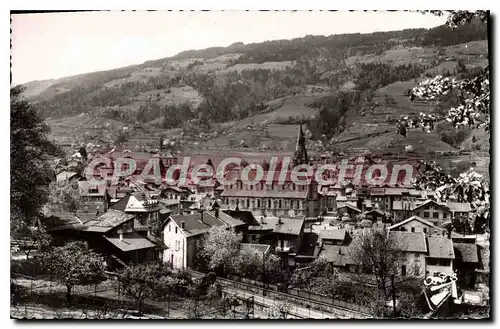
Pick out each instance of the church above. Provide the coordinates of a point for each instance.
(272, 197)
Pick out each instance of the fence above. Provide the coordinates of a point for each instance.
(305, 298)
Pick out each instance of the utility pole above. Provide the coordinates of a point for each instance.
(393, 294)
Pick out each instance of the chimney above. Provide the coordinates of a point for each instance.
(183, 224)
(216, 208)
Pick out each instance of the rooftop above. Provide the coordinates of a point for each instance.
(440, 247)
(130, 241)
(409, 241)
(107, 221)
(332, 234)
(466, 252)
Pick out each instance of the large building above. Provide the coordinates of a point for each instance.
(276, 194)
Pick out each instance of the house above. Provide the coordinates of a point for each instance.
(459, 209)
(333, 237)
(93, 196)
(113, 234)
(261, 249)
(433, 211)
(181, 234)
(349, 209)
(246, 217)
(145, 210)
(416, 224)
(375, 215)
(309, 248)
(276, 194)
(175, 193)
(414, 250)
(66, 176)
(284, 234)
(466, 262)
(440, 256)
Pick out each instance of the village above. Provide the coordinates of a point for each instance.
(132, 221)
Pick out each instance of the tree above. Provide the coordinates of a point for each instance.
(473, 108)
(145, 280)
(378, 252)
(280, 310)
(220, 246)
(64, 197)
(312, 275)
(74, 264)
(31, 154)
(83, 153)
(469, 187)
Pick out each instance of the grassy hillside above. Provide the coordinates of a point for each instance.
(253, 96)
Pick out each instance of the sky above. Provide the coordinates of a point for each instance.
(54, 45)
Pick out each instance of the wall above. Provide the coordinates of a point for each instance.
(419, 227)
(442, 214)
(170, 238)
(436, 268)
(411, 264)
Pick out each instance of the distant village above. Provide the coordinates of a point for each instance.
(130, 220)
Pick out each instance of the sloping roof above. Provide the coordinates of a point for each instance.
(332, 234)
(459, 206)
(61, 221)
(65, 175)
(440, 247)
(262, 248)
(378, 211)
(348, 205)
(466, 252)
(291, 226)
(84, 187)
(412, 218)
(230, 220)
(135, 203)
(196, 224)
(409, 241)
(334, 254)
(131, 241)
(396, 191)
(107, 221)
(245, 216)
(442, 205)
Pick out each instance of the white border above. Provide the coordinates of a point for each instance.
(198, 4)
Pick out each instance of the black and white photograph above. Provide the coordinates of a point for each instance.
(251, 164)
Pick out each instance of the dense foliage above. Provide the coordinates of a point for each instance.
(31, 154)
(74, 264)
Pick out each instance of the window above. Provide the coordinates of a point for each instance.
(269, 203)
(279, 204)
(426, 214)
(413, 230)
(169, 228)
(445, 215)
(253, 238)
(416, 258)
(403, 270)
(435, 215)
(176, 230)
(425, 229)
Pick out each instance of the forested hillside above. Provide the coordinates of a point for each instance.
(330, 83)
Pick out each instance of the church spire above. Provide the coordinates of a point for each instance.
(300, 155)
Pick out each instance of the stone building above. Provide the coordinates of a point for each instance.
(276, 194)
